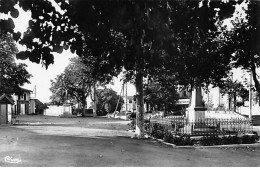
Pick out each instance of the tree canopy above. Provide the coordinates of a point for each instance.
(12, 75)
(144, 37)
(161, 94)
(74, 84)
(108, 101)
(244, 39)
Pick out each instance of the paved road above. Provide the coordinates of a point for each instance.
(87, 142)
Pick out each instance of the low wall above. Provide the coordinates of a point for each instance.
(54, 110)
(222, 115)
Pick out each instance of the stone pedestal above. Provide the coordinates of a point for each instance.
(67, 109)
(196, 110)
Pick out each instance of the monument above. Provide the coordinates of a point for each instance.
(196, 110)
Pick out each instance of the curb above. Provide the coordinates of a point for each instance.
(214, 146)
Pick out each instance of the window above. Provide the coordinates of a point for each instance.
(24, 96)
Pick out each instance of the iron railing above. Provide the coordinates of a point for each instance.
(205, 126)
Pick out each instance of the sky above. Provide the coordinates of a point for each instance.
(41, 77)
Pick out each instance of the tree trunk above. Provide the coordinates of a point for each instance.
(253, 70)
(94, 101)
(229, 102)
(83, 111)
(258, 99)
(0, 65)
(140, 106)
(78, 106)
(235, 101)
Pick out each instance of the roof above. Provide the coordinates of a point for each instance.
(37, 101)
(26, 90)
(5, 99)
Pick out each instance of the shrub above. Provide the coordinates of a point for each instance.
(183, 140)
(208, 140)
(256, 136)
(230, 140)
(168, 137)
(159, 131)
(132, 124)
(246, 139)
(131, 115)
(147, 126)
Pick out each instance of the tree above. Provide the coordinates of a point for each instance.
(161, 95)
(40, 107)
(58, 90)
(244, 94)
(234, 89)
(12, 75)
(74, 84)
(243, 40)
(137, 35)
(107, 100)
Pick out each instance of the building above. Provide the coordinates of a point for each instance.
(37, 107)
(129, 104)
(184, 99)
(23, 105)
(212, 99)
(5, 113)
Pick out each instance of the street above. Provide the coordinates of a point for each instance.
(44, 141)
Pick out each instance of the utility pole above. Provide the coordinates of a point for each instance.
(35, 91)
(126, 108)
(233, 99)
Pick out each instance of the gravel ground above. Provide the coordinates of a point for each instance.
(42, 141)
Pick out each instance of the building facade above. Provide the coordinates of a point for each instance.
(5, 112)
(129, 104)
(23, 105)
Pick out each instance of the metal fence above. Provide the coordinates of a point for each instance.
(206, 126)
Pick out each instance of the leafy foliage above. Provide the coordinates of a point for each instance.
(161, 95)
(74, 84)
(12, 75)
(141, 36)
(107, 101)
(159, 131)
(227, 140)
(243, 41)
(233, 89)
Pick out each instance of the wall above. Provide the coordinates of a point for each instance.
(54, 110)
(214, 99)
(3, 113)
(32, 107)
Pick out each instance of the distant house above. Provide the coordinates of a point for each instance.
(129, 104)
(22, 103)
(37, 107)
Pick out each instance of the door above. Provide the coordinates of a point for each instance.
(22, 109)
(3, 114)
